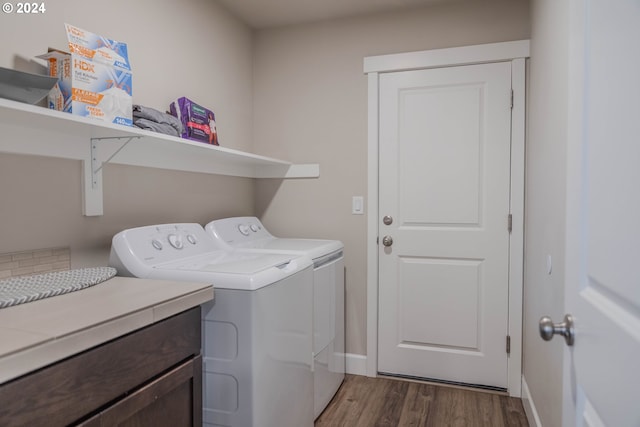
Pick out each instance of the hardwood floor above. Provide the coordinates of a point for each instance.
(369, 402)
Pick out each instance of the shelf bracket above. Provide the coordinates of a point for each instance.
(96, 163)
(92, 170)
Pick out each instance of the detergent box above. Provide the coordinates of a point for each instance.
(94, 78)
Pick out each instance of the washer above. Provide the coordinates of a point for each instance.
(256, 333)
(248, 234)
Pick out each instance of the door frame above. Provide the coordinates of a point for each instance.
(515, 52)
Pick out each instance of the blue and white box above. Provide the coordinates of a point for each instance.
(94, 79)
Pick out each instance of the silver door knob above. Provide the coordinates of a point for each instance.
(548, 329)
(387, 220)
(387, 241)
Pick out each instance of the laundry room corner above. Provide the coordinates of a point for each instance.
(310, 105)
(42, 196)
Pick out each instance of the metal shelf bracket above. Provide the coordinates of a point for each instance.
(92, 189)
(96, 163)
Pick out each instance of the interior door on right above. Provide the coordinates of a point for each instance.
(602, 289)
(445, 138)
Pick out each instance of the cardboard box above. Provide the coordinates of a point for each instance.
(94, 79)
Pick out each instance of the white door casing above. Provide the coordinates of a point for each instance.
(602, 283)
(445, 137)
(514, 53)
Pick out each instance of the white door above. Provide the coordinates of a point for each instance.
(444, 173)
(602, 289)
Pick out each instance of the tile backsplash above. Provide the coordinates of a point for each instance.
(34, 262)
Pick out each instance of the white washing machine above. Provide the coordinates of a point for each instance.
(257, 332)
(248, 234)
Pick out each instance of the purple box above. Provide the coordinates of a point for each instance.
(199, 123)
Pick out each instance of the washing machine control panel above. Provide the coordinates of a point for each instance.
(163, 243)
(238, 230)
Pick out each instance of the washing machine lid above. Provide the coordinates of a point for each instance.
(245, 263)
(234, 270)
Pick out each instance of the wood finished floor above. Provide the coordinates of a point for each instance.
(369, 402)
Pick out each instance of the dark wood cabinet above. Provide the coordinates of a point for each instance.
(150, 377)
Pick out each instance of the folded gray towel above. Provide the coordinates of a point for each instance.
(155, 126)
(151, 114)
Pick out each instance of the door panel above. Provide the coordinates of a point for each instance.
(451, 159)
(444, 178)
(448, 280)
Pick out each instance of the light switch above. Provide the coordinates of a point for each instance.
(357, 205)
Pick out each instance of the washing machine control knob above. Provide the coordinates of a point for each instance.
(156, 244)
(175, 241)
(243, 229)
(254, 228)
(192, 239)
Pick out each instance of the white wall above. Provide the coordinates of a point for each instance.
(191, 48)
(545, 204)
(311, 106)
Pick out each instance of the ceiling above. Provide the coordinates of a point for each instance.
(260, 14)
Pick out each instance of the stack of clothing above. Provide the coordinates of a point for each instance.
(157, 121)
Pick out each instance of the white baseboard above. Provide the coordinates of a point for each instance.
(356, 364)
(529, 406)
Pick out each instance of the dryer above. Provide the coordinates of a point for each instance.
(248, 234)
(257, 331)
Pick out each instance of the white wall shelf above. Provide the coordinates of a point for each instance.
(34, 130)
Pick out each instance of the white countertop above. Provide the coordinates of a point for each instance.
(36, 334)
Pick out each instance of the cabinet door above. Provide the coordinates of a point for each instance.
(72, 389)
(175, 400)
